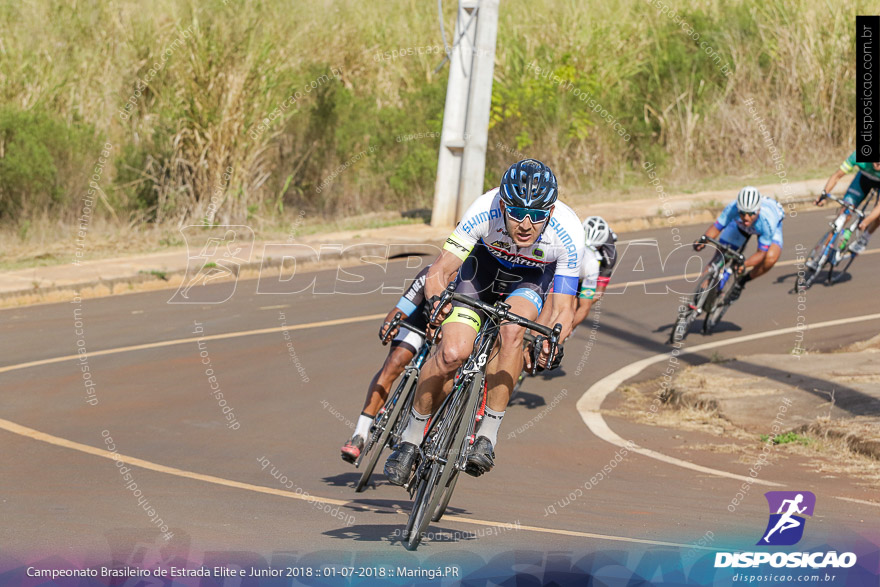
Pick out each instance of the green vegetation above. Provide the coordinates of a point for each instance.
(253, 110)
(787, 438)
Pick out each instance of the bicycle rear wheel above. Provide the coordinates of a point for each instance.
(375, 450)
(846, 257)
(721, 302)
(841, 269)
(451, 443)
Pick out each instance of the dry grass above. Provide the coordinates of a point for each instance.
(196, 117)
(826, 456)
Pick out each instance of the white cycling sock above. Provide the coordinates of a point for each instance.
(489, 426)
(363, 426)
(415, 429)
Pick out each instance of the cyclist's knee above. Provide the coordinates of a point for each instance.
(511, 337)
(452, 354)
(396, 362)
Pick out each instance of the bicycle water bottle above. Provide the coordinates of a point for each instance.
(845, 238)
(725, 275)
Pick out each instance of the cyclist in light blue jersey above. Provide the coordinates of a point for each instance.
(751, 213)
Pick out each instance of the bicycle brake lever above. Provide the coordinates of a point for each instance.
(395, 322)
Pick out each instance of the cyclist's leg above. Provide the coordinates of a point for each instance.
(770, 258)
(399, 356)
(401, 353)
(436, 379)
(505, 367)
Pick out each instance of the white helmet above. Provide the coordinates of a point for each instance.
(596, 231)
(748, 200)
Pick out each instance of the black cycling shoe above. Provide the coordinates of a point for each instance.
(482, 458)
(398, 467)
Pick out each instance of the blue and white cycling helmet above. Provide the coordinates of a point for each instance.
(748, 200)
(529, 184)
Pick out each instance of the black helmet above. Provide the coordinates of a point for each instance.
(528, 184)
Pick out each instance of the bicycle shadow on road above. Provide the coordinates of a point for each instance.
(393, 534)
(821, 279)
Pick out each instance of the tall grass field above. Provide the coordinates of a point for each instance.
(175, 112)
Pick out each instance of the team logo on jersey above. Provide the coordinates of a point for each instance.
(539, 253)
(501, 245)
(786, 526)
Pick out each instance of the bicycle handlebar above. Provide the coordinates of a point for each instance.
(398, 321)
(725, 249)
(501, 311)
(847, 205)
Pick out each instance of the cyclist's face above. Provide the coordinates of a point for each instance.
(748, 218)
(524, 233)
(876, 166)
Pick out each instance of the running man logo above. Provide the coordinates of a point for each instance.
(786, 526)
(219, 253)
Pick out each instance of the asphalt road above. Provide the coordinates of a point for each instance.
(294, 405)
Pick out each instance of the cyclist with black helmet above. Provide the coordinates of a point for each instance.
(513, 242)
(867, 178)
(404, 346)
(751, 213)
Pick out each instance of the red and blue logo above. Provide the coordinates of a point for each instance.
(787, 517)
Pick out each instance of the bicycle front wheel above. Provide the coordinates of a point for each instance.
(375, 451)
(687, 314)
(817, 258)
(450, 446)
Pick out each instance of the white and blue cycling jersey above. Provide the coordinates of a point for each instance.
(768, 225)
(559, 248)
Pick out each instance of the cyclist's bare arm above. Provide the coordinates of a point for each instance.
(755, 259)
(711, 232)
(870, 218)
(829, 185)
(442, 271)
(561, 312)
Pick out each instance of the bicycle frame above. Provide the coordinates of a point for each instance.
(833, 251)
(473, 367)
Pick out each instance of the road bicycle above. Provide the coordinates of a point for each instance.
(451, 432)
(713, 295)
(387, 426)
(832, 250)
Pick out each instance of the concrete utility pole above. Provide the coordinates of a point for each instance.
(461, 163)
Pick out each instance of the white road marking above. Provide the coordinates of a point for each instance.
(143, 464)
(590, 403)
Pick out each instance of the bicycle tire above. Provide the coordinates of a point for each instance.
(390, 424)
(839, 269)
(437, 434)
(840, 273)
(818, 255)
(685, 319)
(719, 308)
(447, 495)
(431, 496)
